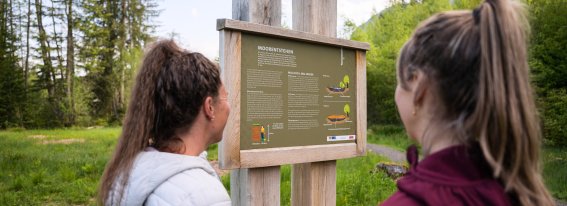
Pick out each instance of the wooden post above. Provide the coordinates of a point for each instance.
(315, 16)
(256, 186)
(314, 183)
(267, 12)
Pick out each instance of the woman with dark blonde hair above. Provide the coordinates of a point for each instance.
(178, 108)
(464, 94)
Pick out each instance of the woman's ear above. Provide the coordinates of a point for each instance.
(420, 88)
(208, 108)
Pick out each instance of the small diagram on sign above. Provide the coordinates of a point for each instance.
(260, 134)
(341, 89)
(339, 119)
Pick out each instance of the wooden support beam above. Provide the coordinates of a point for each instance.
(267, 12)
(255, 186)
(315, 16)
(314, 183)
(361, 102)
(229, 147)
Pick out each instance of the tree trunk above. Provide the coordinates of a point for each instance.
(70, 61)
(122, 50)
(2, 16)
(108, 73)
(57, 47)
(26, 63)
(46, 69)
(11, 17)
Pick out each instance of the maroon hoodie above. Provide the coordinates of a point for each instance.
(457, 175)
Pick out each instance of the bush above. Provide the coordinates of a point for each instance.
(555, 117)
(386, 32)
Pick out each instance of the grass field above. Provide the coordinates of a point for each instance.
(389, 135)
(554, 159)
(62, 167)
(53, 167)
(555, 171)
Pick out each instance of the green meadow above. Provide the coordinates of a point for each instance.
(63, 166)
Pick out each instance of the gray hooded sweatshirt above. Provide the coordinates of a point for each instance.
(161, 178)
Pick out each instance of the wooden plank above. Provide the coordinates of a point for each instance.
(324, 183)
(229, 24)
(293, 155)
(267, 12)
(301, 184)
(239, 187)
(265, 185)
(315, 16)
(361, 123)
(316, 182)
(240, 10)
(256, 186)
(229, 147)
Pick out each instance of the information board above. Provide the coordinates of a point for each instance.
(295, 97)
(296, 93)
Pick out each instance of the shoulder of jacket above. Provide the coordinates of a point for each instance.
(191, 187)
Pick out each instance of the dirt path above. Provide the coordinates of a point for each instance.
(392, 154)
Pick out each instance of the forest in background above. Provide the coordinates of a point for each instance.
(67, 63)
(388, 30)
(70, 62)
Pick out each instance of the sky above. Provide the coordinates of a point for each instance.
(192, 23)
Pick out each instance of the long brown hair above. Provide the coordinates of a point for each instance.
(477, 62)
(170, 87)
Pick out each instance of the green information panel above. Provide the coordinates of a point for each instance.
(296, 93)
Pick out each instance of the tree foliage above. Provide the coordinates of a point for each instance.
(111, 29)
(44, 43)
(388, 30)
(11, 78)
(548, 61)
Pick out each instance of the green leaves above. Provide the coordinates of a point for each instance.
(548, 63)
(386, 32)
(11, 78)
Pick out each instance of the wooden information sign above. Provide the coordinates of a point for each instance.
(295, 97)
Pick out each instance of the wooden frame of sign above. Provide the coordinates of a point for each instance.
(230, 154)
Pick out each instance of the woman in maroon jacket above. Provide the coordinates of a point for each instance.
(464, 94)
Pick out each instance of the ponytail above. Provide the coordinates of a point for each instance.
(170, 87)
(505, 113)
(137, 125)
(479, 72)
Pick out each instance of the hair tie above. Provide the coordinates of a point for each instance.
(476, 15)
